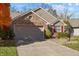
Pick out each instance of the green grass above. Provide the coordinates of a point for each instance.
(8, 48)
(74, 45)
(8, 51)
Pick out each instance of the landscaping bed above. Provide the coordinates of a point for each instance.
(8, 48)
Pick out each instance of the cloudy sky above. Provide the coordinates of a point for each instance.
(72, 7)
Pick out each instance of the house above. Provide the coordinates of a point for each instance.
(32, 24)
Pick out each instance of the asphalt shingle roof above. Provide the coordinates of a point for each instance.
(74, 23)
(46, 15)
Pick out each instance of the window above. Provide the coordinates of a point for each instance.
(28, 17)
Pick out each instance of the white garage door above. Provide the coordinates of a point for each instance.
(76, 32)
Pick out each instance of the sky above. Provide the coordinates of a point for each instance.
(60, 7)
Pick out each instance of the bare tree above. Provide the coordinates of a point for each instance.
(13, 8)
(52, 11)
(66, 14)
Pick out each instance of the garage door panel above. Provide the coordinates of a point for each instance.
(33, 32)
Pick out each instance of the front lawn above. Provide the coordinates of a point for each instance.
(7, 48)
(74, 43)
(73, 46)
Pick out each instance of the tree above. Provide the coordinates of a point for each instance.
(13, 9)
(24, 9)
(52, 11)
(9, 34)
(66, 15)
(5, 20)
(68, 29)
(45, 5)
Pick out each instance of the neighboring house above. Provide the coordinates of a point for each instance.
(75, 24)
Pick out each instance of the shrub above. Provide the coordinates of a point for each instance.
(62, 35)
(69, 29)
(50, 27)
(2, 34)
(9, 34)
(48, 33)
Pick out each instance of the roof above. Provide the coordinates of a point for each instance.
(42, 13)
(46, 15)
(74, 23)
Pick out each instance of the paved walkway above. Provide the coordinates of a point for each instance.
(45, 48)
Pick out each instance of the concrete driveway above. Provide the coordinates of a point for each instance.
(45, 48)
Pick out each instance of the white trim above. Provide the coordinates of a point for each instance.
(40, 17)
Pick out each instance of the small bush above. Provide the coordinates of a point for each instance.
(48, 33)
(9, 34)
(62, 35)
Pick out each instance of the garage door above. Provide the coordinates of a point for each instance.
(76, 32)
(24, 32)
